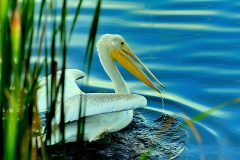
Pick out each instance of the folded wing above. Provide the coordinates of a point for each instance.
(78, 104)
(70, 89)
(83, 105)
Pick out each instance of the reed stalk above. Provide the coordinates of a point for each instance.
(19, 76)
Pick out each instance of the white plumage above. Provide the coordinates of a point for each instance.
(104, 112)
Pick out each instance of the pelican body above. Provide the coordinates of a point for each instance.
(103, 112)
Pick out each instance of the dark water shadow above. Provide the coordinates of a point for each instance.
(131, 142)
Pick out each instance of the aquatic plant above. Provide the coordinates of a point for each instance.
(19, 74)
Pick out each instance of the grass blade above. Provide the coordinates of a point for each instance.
(210, 111)
(91, 41)
(64, 51)
(88, 60)
(40, 16)
(74, 20)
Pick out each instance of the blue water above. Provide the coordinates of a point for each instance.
(192, 47)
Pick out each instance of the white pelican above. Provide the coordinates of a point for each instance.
(104, 112)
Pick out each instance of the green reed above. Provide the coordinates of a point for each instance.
(19, 76)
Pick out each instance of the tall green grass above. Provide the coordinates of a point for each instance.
(19, 76)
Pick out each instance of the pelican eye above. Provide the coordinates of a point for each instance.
(122, 43)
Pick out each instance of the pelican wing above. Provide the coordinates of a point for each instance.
(83, 105)
(70, 88)
(78, 104)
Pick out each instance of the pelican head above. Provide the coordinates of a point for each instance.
(113, 47)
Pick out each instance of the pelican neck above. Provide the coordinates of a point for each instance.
(112, 71)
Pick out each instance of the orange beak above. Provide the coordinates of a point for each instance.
(125, 56)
